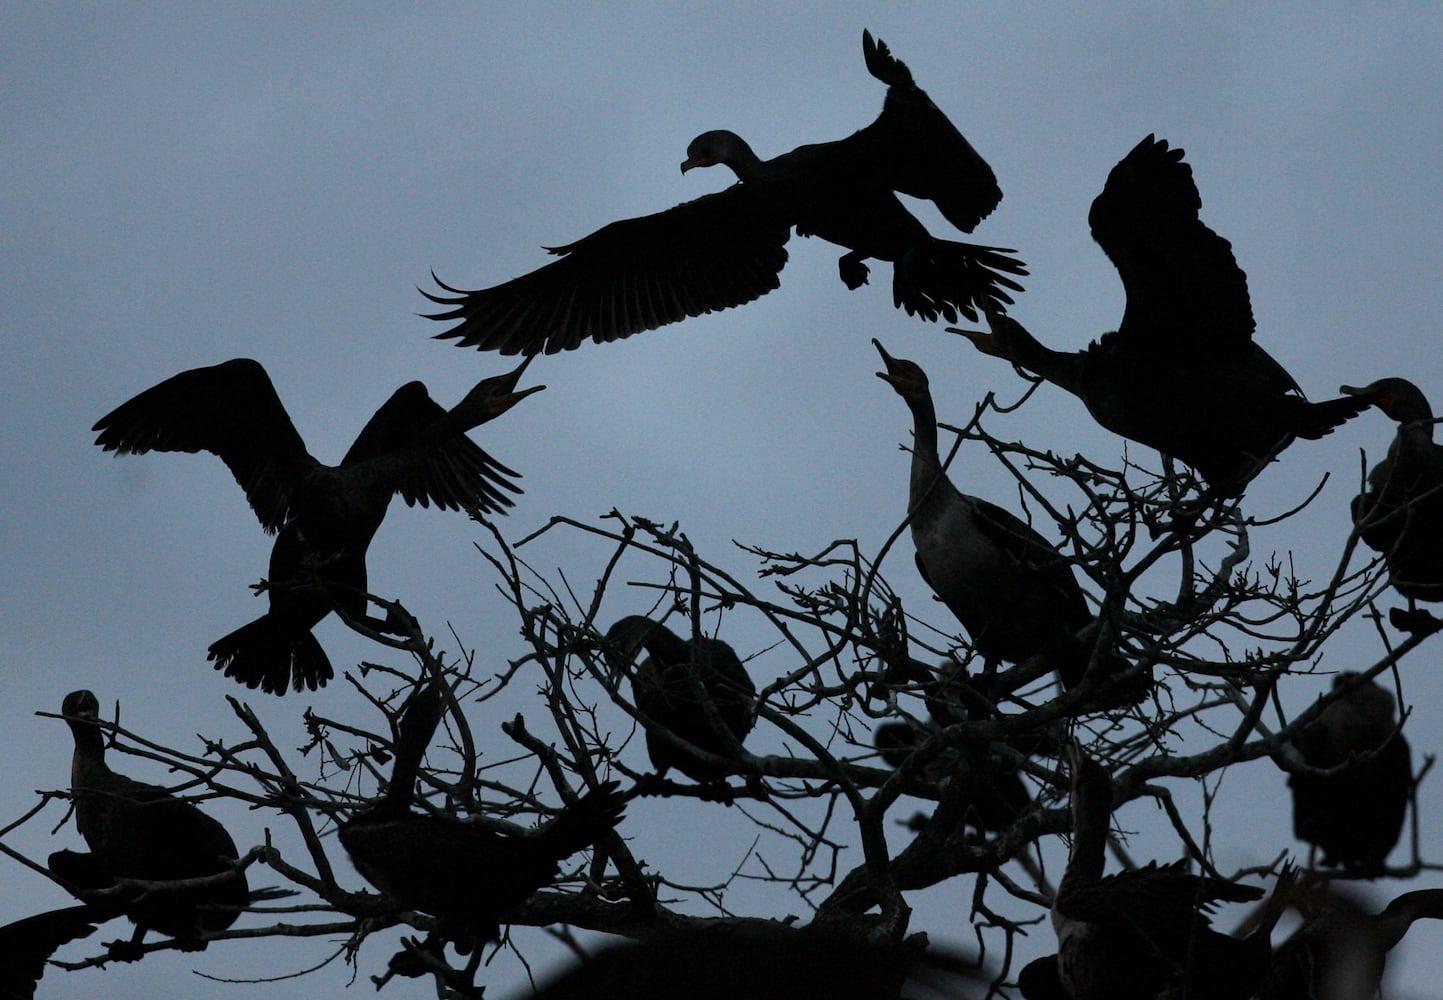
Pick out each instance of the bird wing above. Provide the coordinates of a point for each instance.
(231, 410)
(701, 256)
(1022, 542)
(454, 475)
(915, 149)
(1186, 294)
(26, 946)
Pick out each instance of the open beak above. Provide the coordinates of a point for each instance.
(887, 360)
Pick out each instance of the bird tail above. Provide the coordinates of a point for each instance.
(943, 278)
(271, 655)
(1314, 420)
(581, 825)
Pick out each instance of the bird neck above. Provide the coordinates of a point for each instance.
(87, 764)
(1061, 368)
(1091, 809)
(1399, 915)
(927, 475)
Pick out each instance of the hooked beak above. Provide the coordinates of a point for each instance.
(696, 161)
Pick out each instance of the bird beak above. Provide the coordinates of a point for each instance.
(696, 161)
(509, 397)
(1380, 399)
(887, 360)
(984, 342)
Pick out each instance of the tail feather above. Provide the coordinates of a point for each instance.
(945, 278)
(581, 825)
(272, 656)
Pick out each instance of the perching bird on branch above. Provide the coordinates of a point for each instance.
(726, 249)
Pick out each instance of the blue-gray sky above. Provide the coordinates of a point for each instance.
(189, 184)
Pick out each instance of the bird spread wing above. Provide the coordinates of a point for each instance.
(26, 946)
(1186, 294)
(918, 151)
(715, 252)
(454, 475)
(231, 410)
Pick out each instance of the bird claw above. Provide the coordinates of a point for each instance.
(853, 272)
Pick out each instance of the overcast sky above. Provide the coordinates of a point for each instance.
(186, 184)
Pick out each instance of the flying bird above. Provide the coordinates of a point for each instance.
(1355, 811)
(726, 249)
(690, 693)
(1182, 372)
(324, 516)
(466, 875)
(1400, 513)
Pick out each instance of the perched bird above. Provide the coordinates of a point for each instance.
(1182, 372)
(466, 875)
(1400, 514)
(1340, 952)
(726, 249)
(690, 693)
(1012, 591)
(142, 832)
(774, 962)
(993, 796)
(27, 944)
(325, 515)
(1137, 933)
(1355, 812)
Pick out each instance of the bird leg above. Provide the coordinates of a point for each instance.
(853, 270)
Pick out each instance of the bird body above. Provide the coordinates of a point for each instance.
(466, 875)
(1355, 812)
(1181, 373)
(697, 691)
(324, 516)
(1400, 514)
(142, 832)
(726, 249)
(1010, 588)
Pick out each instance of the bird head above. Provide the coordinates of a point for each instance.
(80, 705)
(907, 377)
(1400, 399)
(716, 146)
(495, 395)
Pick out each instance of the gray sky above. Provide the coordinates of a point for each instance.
(186, 185)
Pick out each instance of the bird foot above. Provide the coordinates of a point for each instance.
(1415, 622)
(854, 273)
(124, 951)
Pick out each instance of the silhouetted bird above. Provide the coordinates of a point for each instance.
(26, 945)
(1401, 512)
(726, 249)
(1355, 812)
(1340, 952)
(326, 515)
(1012, 591)
(1181, 373)
(1137, 933)
(695, 690)
(994, 796)
(142, 832)
(466, 875)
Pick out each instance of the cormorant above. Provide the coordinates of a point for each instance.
(1010, 588)
(325, 515)
(1182, 372)
(1355, 812)
(1400, 514)
(142, 832)
(726, 249)
(696, 690)
(467, 876)
(993, 797)
(1134, 934)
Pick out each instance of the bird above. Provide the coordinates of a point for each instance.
(993, 795)
(323, 516)
(27, 944)
(466, 875)
(1013, 592)
(1354, 813)
(727, 249)
(1136, 933)
(690, 693)
(1400, 513)
(1182, 372)
(137, 831)
(1340, 952)
(763, 961)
